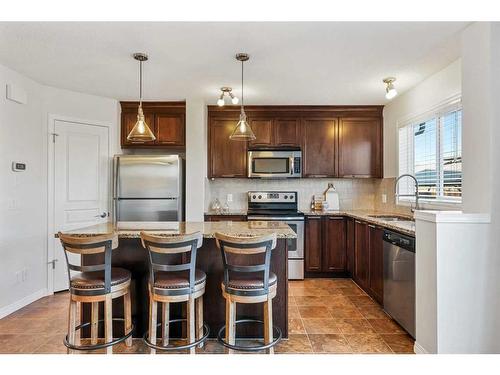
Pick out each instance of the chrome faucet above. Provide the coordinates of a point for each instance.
(408, 195)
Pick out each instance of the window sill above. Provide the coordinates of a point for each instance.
(430, 205)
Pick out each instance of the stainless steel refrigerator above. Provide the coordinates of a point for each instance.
(147, 188)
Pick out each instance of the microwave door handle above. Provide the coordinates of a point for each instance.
(292, 161)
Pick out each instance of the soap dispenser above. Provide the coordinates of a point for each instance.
(332, 198)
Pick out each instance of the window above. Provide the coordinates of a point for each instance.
(430, 148)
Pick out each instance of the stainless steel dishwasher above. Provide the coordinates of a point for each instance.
(399, 279)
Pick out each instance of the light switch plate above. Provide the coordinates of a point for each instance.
(229, 197)
(384, 198)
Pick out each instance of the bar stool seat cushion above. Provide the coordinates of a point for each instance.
(95, 280)
(178, 280)
(249, 281)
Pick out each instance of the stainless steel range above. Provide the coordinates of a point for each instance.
(282, 206)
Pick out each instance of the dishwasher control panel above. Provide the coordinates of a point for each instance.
(400, 240)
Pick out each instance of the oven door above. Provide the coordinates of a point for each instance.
(295, 246)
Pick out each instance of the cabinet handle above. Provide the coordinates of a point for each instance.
(227, 175)
(313, 217)
(357, 221)
(371, 226)
(317, 175)
(335, 218)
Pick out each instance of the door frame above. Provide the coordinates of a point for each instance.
(51, 120)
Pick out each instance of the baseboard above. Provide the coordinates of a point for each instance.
(419, 349)
(9, 309)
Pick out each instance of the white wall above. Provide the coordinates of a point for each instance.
(428, 94)
(23, 210)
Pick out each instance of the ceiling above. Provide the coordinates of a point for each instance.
(290, 62)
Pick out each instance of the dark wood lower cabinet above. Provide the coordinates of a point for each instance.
(376, 246)
(350, 246)
(313, 244)
(361, 254)
(325, 244)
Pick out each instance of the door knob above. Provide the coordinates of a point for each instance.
(103, 215)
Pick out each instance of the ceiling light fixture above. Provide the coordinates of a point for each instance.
(228, 91)
(390, 91)
(242, 131)
(141, 132)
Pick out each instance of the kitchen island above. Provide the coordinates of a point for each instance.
(130, 254)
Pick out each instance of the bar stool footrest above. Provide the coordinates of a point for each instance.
(202, 339)
(276, 333)
(98, 346)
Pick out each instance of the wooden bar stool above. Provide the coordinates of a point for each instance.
(179, 282)
(243, 284)
(93, 284)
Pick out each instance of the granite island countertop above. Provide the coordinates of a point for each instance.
(133, 229)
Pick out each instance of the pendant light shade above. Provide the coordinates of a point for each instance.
(242, 131)
(141, 132)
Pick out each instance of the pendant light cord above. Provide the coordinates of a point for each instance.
(242, 96)
(140, 83)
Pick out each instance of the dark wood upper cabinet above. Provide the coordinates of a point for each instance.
(227, 158)
(334, 244)
(336, 141)
(287, 132)
(263, 130)
(319, 148)
(313, 244)
(360, 147)
(376, 245)
(170, 129)
(165, 119)
(361, 254)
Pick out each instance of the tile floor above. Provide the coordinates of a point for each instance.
(325, 316)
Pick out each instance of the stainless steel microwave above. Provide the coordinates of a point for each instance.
(275, 164)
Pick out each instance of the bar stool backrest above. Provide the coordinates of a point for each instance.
(160, 245)
(86, 245)
(248, 246)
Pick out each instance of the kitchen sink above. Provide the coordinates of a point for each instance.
(392, 217)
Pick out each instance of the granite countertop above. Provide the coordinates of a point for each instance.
(407, 227)
(243, 228)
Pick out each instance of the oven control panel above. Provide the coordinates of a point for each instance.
(272, 196)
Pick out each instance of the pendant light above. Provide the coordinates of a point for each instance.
(242, 131)
(141, 132)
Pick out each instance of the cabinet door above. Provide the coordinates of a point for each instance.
(376, 262)
(286, 132)
(350, 246)
(263, 130)
(170, 129)
(313, 244)
(128, 121)
(334, 255)
(226, 158)
(360, 147)
(319, 147)
(361, 254)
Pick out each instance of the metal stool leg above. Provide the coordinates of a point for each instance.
(230, 323)
(108, 322)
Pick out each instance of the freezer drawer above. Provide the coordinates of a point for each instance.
(147, 210)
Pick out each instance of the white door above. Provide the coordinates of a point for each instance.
(81, 173)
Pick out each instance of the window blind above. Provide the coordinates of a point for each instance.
(430, 148)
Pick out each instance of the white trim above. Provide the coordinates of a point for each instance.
(452, 217)
(454, 100)
(419, 349)
(51, 119)
(9, 309)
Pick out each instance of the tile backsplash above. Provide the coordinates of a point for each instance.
(353, 193)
